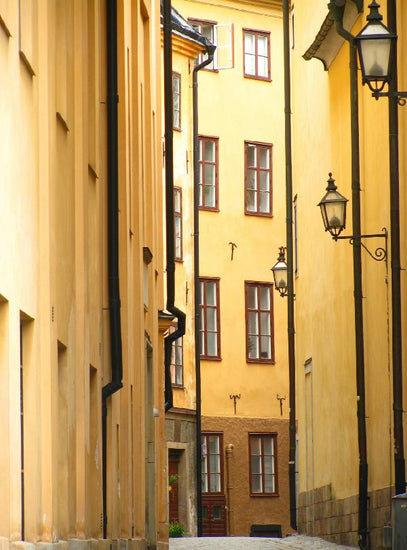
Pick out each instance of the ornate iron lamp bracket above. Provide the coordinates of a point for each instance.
(379, 254)
(400, 96)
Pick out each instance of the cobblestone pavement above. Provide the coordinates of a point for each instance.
(295, 542)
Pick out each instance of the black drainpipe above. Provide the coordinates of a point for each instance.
(399, 460)
(290, 270)
(113, 234)
(210, 48)
(363, 532)
(169, 202)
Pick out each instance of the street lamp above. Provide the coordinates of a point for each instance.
(333, 209)
(376, 46)
(280, 273)
(374, 43)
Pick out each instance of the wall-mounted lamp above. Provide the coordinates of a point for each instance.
(375, 44)
(280, 273)
(333, 210)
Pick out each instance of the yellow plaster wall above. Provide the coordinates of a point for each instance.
(249, 110)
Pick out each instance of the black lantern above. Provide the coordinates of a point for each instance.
(333, 209)
(280, 270)
(374, 43)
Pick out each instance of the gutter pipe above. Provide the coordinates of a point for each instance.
(363, 531)
(399, 461)
(210, 49)
(290, 263)
(116, 382)
(169, 203)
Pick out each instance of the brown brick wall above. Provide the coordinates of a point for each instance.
(322, 515)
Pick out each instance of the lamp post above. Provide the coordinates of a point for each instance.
(377, 47)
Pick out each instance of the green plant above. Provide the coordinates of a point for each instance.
(176, 530)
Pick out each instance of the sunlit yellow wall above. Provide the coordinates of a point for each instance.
(53, 275)
(236, 109)
(324, 287)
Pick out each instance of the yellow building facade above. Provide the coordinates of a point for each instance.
(328, 394)
(82, 459)
(243, 343)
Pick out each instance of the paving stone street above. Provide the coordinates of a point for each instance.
(296, 542)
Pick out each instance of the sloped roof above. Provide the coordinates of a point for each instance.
(181, 25)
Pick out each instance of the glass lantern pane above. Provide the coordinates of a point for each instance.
(375, 51)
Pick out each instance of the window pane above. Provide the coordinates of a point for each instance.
(209, 174)
(262, 67)
(251, 297)
(177, 200)
(251, 179)
(265, 347)
(212, 342)
(211, 294)
(264, 202)
(268, 445)
(262, 45)
(211, 319)
(207, 30)
(203, 326)
(214, 464)
(204, 483)
(217, 512)
(264, 157)
(256, 484)
(215, 483)
(264, 181)
(255, 445)
(209, 196)
(265, 324)
(264, 293)
(251, 155)
(256, 464)
(178, 376)
(200, 187)
(253, 347)
(214, 444)
(251, 203)
(269, 484)
(253, 323)
(210, 151)
(249, 43)
(249, 64)
(268, 465)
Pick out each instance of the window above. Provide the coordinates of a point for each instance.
(256, 47)
(178, 223)
(208, 173)
(263, 475)
(258, 179)
(259, 323)
(211, 463)
(209, 308)
(176, 98)
(207, 29)
(177, 363)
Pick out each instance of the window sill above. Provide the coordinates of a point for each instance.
(261, 78)
(210, 358)
(264, 495)
(261, 361)
(209, 209)
(258, 214)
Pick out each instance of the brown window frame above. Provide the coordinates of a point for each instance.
(202, 162)
(178, 215)
(175, 366)
(221, 465)
(262, 435)
(270, 286)
(199, 23)
(256, 76)
(177, 76)
(202, 329)
(258, 170)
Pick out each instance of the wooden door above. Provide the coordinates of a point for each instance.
(213, 515)
(213, 497)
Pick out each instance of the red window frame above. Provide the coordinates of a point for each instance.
(176, 76)
(261, 330)
(178, 220)
(262, 474)
(256, 34)
(258, 170)
(207, 475)
(204, 309)
(202, 164)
